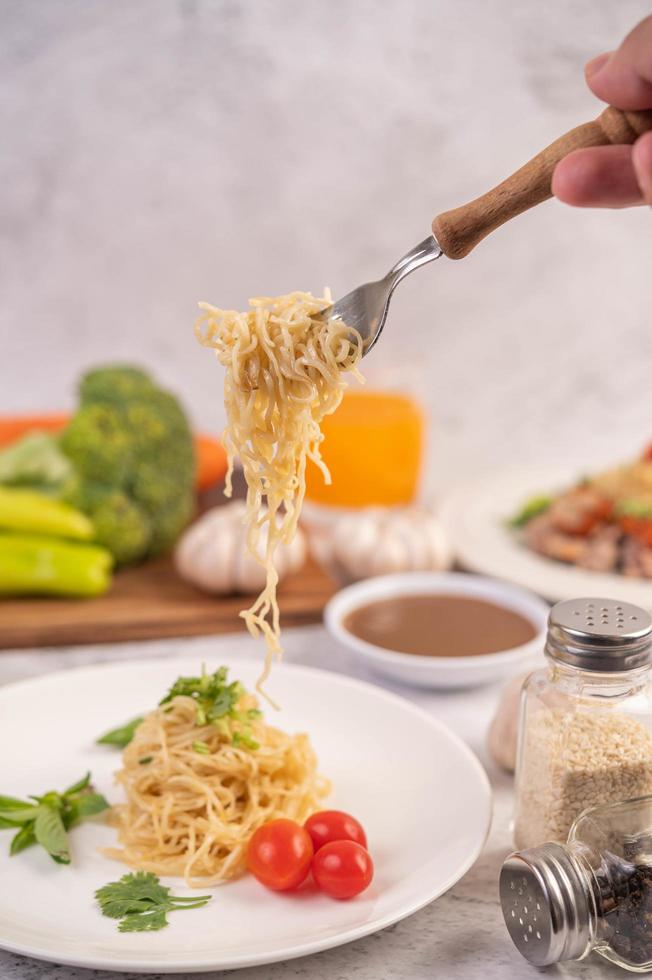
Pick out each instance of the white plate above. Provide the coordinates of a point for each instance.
(475, 517)
(419, 791)
(439, 672)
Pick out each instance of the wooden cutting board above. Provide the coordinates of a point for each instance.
(149, 602)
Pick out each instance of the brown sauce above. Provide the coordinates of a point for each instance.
(439, 625)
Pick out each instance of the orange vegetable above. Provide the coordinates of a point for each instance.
(12, 427)
(211, 456)
(211, 461)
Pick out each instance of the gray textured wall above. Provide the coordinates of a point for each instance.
(156, 152)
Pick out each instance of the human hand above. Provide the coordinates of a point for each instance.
(614, 176)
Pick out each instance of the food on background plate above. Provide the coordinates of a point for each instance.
(603, 524)
(201, 773)
(284, 374)
(212, 553)
(373, 448)
(378, 541)
(439, 625)
(46, 819)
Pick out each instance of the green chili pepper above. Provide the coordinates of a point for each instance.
(35, 565)
(33, 513)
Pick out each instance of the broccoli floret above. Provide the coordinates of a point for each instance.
(35, 461)
(98, 444)
(122, 527)
(114, 384)
(133, 451)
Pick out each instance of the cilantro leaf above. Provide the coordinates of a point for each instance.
(141, 902)
(121, 736)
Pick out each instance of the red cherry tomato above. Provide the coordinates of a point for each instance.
(342, 868)
(330, 825)
(279, 854)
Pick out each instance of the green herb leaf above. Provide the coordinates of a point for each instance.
(24, 838)
(80, 785)
(141, 902)
(121, 736)
(51, 834)
(146, 759)
(18, 816)
(215, 698)
(89, 804)
(46, 820)
(149, 921)
(633, 508)
(201, 747)
(530, 509)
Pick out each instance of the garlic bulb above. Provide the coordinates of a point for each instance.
(380, 541)
(213, 554)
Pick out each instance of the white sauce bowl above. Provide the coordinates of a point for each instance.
(439, 671)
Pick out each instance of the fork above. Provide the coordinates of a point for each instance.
(455, 233)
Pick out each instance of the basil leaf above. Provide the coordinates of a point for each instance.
(89, 804)
(17, 817)
(24, 838)
(12, 803)
(78, 786)
(121, 736)
(51, 833)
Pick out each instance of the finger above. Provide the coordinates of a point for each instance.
(601, 177)
(624, 77)
(642, 161)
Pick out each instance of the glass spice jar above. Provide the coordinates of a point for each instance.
(594, 893)
(585, 734)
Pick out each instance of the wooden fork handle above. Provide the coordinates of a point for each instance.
(458, 231)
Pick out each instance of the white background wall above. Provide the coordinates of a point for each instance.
(157, 152)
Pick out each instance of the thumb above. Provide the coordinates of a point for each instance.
(624, 77)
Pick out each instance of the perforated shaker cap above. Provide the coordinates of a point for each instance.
(546, 904)
(600, 634)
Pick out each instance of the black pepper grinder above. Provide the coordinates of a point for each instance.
(594, 893)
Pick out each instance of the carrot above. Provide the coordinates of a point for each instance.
(12, 427)
(211, 461)
(211, 457)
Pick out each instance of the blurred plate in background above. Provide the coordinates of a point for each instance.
(476, 515)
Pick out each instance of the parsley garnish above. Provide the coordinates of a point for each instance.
(141, 902)
(47, 819)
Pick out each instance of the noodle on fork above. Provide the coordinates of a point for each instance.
(284, 373)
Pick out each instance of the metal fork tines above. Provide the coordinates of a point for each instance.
(365, 308)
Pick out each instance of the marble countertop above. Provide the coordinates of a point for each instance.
(460, 936)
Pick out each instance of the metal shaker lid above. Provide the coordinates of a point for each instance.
(546, 904)
(600, 634)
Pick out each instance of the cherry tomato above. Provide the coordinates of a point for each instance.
(279, 854)
(330, 825)
(342, 868)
